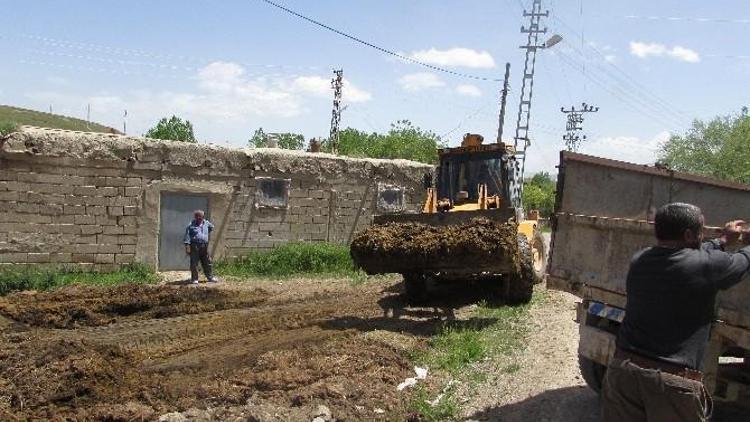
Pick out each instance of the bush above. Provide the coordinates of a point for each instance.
(16, 278)
(290, 259)
(7, 127)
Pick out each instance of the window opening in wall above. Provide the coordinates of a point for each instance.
(390, 198)
(272, 193)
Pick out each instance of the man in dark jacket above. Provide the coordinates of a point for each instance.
(655, 374)
(196, 245)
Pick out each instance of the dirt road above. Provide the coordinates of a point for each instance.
(546, 385)
(260, 350)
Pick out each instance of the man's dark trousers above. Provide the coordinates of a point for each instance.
(635, 394)
(199, 253)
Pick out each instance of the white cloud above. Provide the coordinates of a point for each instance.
(626, 148)
(459, 57)
(645, 50)
(611, 58)
(418, 81)
(685, 54)
(469, 90)
(222, 94)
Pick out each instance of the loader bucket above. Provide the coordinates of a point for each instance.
(476, 242)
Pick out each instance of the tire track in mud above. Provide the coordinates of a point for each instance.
(224, 340)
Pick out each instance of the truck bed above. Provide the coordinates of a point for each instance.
(604, 209)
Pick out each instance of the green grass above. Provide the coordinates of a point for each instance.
(7, 127)
(21, 116)
(17, 278)
(495, 331)
(443, 410)
(294, 258)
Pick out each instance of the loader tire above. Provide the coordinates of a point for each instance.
(415, 288)
(592, 372)
(521, 285)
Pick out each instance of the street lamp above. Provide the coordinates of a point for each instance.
(553, 40)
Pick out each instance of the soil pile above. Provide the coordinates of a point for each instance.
(75, 306)
(480, 244)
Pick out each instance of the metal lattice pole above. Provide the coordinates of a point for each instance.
(337, 84)
(521, 140)
(574, 125)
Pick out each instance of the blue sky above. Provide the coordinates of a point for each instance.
(233, 66)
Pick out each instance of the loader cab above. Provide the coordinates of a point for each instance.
(463, 169)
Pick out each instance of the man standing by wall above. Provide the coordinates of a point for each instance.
(655, 374)
(196, 245)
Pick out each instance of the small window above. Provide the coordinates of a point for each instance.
(271, 193)
(390, 198)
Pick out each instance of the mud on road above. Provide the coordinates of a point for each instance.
(256, 351)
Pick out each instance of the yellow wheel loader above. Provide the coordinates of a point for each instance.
(463, 231)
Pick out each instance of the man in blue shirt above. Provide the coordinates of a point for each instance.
(196, 245)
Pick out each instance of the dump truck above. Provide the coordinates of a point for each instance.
(603, 215)
(467, 229)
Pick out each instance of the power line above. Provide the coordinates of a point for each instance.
(378, 48)
(688, 19)
(626, 79)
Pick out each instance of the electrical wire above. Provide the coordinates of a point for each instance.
(688, 19)
(379, 48)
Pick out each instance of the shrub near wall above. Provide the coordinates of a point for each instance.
(304, 258)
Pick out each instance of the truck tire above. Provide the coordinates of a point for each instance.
(415, 288)
(521, 285)
(592, 372)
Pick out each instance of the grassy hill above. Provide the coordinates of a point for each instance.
(22, 116)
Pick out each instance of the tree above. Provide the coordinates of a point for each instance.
(539, 194)
(403, 140)
(285, 140)
(174, 129)
(718, 148)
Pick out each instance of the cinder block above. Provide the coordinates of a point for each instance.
(38, 257)
(50, 209)
(115, 211)
(85, 239)
(129, 210)
(13, 258)
(106, 220)
(126, 249)
(112, 230)
(106, 191)
(129, 230)
(96, 210)
(122, 201)
(127, 221)
(107, 249)
(124, 258)
(84, 190)
(61, 257)
(86, 249)
(74, 209)
(83, 257)
(91, 229)
(9, 196)
(132, 191)
(107, 239)
(96, 200)
(124, 239)
(104, 258)
(84, 219)
(317, 194)
(320, 219)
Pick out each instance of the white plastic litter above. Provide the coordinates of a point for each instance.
(421, 374)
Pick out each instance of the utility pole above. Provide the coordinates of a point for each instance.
(521, 140)
(125, 123)
(574, 125)
(503, 99)
(337, 84)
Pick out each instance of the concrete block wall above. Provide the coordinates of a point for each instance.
(93, 199)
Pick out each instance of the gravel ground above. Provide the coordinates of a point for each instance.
(547, 386)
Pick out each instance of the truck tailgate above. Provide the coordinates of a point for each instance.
(603, 215)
